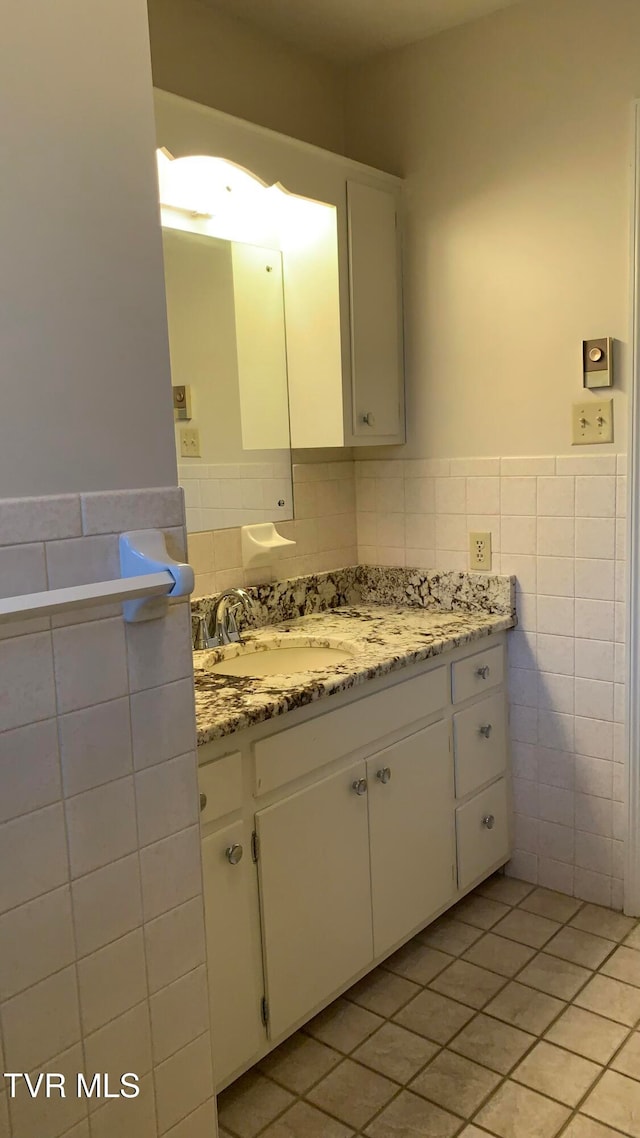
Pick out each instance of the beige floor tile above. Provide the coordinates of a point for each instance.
(547, 903)
(352, 1093)
(395, 1052)
(580, 947)
(633, 940)
(418, 962)
(455, 1083)
(557, 977)
(491, 1043)
(468, 984)
(623, 965)
(343, 1025)
(517, 1112)
(251, 1103)
(616, 1101)
(501, 955)
(603, 922)
(612, 999)
(304, 1121)
(434, 1015)
(527, 928)
(473, 1132)
(300, 1062)
(583, 1127)
(506, 889)
(410, 1116)
(587, 1034)
(557, 1073)
(382, 992)
(525, 1008)
(628, 1061)
(449, 935)
(479, 911)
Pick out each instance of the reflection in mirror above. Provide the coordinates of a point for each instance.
(226, 320)
(227, 344)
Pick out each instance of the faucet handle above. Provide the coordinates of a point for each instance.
(201, 638)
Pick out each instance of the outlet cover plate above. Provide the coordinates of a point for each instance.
(480, 552)
(592, 422)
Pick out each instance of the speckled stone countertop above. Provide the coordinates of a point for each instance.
(380, 637)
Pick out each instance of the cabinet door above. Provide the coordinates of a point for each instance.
(315, 894)
(376, 306)
(412, 833)
(233, 950)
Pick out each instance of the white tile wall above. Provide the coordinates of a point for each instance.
(225, 495)
(558, 524)
(101, 916)
(324, 531)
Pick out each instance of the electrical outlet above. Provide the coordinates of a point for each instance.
(592, 422)
(480, 551)
(189, 442)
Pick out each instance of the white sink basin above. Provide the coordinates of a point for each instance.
(280, 661)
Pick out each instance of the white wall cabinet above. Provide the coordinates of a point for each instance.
(342, 281)
(358, 844)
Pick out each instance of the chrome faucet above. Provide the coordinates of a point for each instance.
(223, 619)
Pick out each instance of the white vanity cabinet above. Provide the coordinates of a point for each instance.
(341, 277)
(362, 818)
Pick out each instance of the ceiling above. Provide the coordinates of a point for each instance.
(349, 30)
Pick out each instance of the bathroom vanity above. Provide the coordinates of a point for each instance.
(336, 828)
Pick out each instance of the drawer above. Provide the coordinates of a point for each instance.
(482, 833)
(480, 743)
(290, 754)
(221, 783)
(477, 673)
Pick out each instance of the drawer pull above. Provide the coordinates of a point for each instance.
(486, 730)
(234, 854)
(384, 775)
(360, 786)
(488, 821)
(483, 672)
(203, 802)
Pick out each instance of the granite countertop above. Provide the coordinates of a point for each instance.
(382, 638)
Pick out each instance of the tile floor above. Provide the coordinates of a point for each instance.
(512, 1015)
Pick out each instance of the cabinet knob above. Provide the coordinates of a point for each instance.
(203, 801)
(234, 854)
(488, 821)
(486, 730)
(483, 672)
(368, 418)
(384, 774)
(360, 786)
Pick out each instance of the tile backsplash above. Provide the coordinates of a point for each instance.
(102, 953)
(222, 495)
(324, 531)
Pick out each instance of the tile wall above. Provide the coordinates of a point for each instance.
(558, 524)
(229, 494)
(102, 952)
(324, 532)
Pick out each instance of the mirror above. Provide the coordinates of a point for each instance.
(225, 313)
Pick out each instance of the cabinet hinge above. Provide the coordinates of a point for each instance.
(255, 846)
(264, 1011)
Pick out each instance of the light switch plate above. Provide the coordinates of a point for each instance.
(480, 552)
(189, 442)
(592, 422)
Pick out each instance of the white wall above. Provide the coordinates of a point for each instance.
(85, 370)
(223, 63)
(514, 134)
